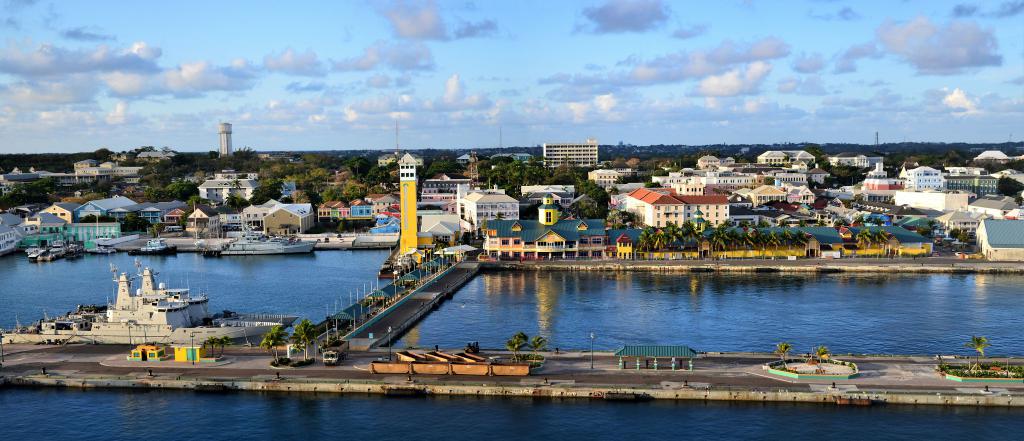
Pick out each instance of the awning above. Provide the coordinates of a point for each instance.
(656, 351)
(458, 249)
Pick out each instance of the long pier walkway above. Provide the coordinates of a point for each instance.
(406, 312)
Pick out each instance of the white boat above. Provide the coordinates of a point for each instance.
(151, 314)
(101, 249)
(155, 246)
(254, 243)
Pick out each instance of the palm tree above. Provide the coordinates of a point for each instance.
(212, 342)
(822, 353)
(515, 344)
(275, 337)
(865, 238)
(782, 350)
(304, 335)
(224, 341)
(773, 239)
(719, 238)
(538, 343)
(978, 343)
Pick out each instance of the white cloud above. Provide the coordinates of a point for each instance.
(47, 59)
(809, 86)
(940, 50)
(72, 89)
(192, 79)
(415, 56)
(960, 102)
(812, 63)
(616, 16)
(416, 20)
(295, 63)
(119, 115)
(735, 82)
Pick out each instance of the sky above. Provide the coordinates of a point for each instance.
(297, 75)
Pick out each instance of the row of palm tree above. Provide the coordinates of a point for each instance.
(870, 236)
(520, 340)
(213, 342)
(721, 238)
(783, 349)
(977, 343)
(303, 335)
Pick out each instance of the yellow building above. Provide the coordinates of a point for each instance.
(189, 353)
(407, 203)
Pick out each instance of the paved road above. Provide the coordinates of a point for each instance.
(908, 374)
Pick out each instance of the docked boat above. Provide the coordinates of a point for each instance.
(156, 246)
(152, 313)
(254, 243)
(101, 249)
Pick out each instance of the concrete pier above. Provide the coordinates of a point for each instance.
(414, 306)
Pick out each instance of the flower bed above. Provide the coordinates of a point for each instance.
(802, 370)
(984, 373)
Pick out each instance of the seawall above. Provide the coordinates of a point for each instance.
(619, 393)
(767, 266)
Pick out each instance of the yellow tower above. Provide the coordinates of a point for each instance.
(407, 184)
(548, 211)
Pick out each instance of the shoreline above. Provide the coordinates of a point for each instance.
(889, 266)
(428, 388)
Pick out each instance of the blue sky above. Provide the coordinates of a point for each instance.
(76, 76)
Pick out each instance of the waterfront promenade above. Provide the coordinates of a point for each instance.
(725, 376)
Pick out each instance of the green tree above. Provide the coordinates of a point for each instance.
(1009, 187)
(132, 222)
(538, 343)
(267, 190)
(979, 344)
(304, 335)
(274, 338)
(516, 343)
(782, 350)
(822, 352)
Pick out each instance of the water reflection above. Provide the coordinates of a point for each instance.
(924, 314)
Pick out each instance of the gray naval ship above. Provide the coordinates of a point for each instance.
(151, 314)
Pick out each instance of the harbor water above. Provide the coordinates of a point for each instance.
(925, 314)
(173, 415)
(302, 284)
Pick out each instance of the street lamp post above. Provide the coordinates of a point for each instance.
(389, 343)
(1, 348)
(591, 350)
(192, 349)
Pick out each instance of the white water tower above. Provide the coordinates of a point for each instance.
(225, 139)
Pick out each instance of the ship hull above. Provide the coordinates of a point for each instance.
(179, 336)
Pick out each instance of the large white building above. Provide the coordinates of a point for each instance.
(607, 177)
(478, 206)
(660, 207)
(854, 160)
(575, 154)
(932, 200)
(784, 157)
(922, 178)
(218, 190)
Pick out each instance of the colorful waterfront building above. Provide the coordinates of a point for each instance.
(548, 237)
(407, 201)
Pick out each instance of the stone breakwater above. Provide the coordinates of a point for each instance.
(767, 266)
(557, 391)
